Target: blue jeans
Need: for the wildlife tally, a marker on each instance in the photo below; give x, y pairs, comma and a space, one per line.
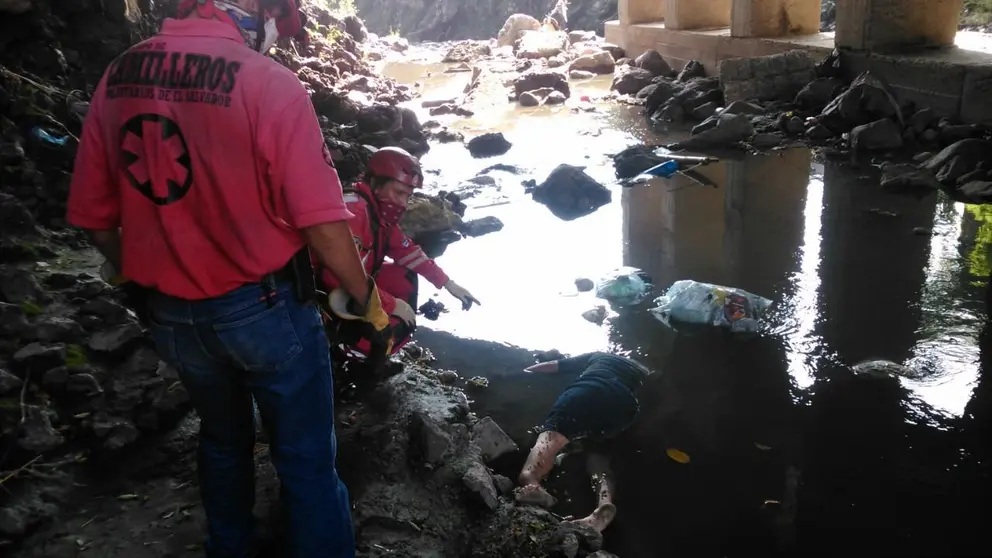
227, 350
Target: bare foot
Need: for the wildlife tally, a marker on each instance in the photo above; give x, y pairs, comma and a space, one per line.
600, 518
534, 494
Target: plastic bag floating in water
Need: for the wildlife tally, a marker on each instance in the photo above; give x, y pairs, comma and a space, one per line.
626, 285
693, 302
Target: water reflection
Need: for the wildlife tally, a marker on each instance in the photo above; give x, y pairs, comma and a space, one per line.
853, 277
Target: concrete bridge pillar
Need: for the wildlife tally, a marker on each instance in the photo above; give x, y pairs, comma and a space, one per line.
641, 11
697, 14
887, 25
774, 18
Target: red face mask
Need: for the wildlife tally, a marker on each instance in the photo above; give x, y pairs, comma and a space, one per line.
390, 213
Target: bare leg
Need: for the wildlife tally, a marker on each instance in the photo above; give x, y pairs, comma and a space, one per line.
539, 463
598, 467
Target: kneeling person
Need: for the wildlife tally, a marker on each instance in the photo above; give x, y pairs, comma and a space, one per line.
378, 203
599, 405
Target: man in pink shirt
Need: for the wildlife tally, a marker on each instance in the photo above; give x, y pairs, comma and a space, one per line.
203, 176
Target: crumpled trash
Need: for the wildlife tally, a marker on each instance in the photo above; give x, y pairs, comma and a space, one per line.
623, 286
692, 302
432, 309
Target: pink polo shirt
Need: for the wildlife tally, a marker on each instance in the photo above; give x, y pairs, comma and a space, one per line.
209, 158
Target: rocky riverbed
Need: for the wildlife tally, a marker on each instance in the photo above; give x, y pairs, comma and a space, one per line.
97, 439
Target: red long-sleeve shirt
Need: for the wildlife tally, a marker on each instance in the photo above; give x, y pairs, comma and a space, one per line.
392, 243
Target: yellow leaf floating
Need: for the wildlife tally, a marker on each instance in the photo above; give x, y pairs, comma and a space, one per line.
678, 456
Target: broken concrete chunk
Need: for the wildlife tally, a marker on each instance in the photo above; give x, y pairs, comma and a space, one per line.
480, 482
503, 484
431, 437
491, 439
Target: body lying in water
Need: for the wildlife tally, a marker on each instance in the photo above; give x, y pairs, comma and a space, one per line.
598, 405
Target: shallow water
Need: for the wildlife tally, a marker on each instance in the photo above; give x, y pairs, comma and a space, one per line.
852, 278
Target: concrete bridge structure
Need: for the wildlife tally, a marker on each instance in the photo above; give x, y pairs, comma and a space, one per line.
914, 44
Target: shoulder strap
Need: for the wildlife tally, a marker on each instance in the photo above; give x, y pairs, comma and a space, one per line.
378, 251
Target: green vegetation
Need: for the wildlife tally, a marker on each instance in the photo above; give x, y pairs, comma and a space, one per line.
339, 7
977, 12
31, 309
394, 31
75, 355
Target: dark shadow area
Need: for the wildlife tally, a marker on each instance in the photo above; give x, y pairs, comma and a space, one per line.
792, 454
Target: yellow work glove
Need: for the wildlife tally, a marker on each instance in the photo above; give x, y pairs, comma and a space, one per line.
344, 307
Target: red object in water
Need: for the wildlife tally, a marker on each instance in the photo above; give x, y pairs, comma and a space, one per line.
585, 99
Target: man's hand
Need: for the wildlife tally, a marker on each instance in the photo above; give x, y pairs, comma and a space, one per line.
335, 249
371, 312
405, 312
462, 294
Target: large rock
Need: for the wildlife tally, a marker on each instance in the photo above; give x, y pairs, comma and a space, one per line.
15, 218
653, 62
116, 340
18, 286
12, 320
429, 215
880, 135
514, 27
631, 80
725, 131
818, 93
867, 100
598, 63
571, 193
36, 432
970, 151
488, 145
976, 191
355, 27
540, 79
542, 44
907, 178
468, 51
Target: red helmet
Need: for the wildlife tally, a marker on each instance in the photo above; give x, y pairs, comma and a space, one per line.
395, 164
263, 21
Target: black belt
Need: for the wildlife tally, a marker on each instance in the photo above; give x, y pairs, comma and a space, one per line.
298, 272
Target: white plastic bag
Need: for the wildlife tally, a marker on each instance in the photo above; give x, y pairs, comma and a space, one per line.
693, 302
623, 286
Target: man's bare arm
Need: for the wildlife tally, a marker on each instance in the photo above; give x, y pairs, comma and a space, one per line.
543, 367
108, 242
335, 248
